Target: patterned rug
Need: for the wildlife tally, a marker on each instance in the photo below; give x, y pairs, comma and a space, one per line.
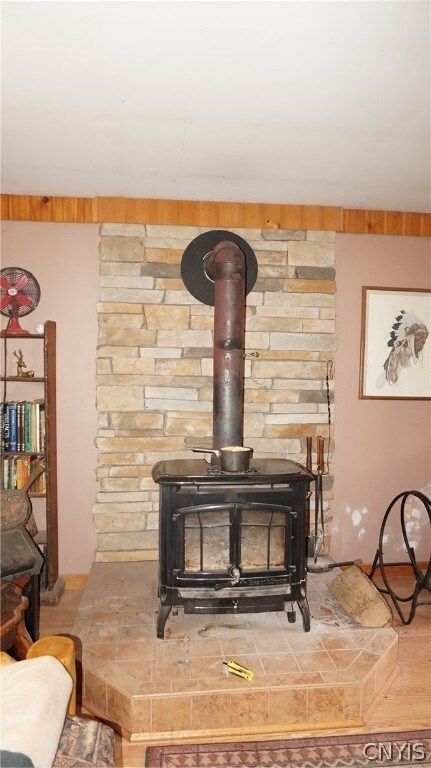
408, 748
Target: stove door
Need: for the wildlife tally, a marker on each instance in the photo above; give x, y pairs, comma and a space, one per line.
233, 544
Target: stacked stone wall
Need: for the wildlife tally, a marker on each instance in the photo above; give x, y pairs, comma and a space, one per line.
154, 366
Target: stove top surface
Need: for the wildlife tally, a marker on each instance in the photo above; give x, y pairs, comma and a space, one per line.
200, 471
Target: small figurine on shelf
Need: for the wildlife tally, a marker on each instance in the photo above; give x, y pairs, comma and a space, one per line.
21, 365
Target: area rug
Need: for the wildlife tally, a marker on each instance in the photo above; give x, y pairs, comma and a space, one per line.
407, 748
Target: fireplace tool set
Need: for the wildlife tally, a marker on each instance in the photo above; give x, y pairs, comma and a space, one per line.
316, 540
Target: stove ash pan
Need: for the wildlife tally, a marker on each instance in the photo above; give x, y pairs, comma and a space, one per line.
232, 543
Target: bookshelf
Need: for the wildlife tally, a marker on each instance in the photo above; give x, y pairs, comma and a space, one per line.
45, 450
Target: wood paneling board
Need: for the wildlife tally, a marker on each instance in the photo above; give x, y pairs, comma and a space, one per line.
213, 214
386, 223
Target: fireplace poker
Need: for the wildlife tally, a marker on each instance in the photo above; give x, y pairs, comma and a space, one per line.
319, 495
309, 465
328, 566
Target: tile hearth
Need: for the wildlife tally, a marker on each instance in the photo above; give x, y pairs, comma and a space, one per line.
178, 688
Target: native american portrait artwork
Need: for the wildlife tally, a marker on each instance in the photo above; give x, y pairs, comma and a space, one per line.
395, 343
406, 342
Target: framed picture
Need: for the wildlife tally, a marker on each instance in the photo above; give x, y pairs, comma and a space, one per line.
395, 344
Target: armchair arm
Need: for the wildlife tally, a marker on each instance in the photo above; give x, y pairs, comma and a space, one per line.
33, 700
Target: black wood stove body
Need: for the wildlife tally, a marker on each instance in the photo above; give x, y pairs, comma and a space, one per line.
232, 543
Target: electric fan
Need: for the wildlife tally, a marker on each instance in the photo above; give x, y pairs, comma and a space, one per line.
20, 294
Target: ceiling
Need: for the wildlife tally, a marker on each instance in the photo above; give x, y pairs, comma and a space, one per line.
296, 101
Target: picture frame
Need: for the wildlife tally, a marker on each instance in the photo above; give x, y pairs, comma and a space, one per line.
395, 357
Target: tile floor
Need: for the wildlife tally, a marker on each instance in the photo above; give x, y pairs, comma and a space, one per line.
179, 687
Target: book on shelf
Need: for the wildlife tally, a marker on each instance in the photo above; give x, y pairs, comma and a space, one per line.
41, 421
18, 426
20, 421
38, 417
11, 417
27, 426
4, 428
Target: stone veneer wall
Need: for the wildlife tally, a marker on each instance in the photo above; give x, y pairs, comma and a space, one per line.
154, 365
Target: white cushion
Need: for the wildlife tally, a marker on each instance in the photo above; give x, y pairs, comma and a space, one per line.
34, 695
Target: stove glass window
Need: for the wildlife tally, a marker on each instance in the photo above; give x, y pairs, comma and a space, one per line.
262, 540
206, 541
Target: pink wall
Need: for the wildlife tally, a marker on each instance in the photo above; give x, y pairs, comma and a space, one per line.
383, 447
64, 258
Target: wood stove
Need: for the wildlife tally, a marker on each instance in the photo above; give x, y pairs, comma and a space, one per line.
232, 543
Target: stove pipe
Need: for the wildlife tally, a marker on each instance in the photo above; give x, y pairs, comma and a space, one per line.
226, 267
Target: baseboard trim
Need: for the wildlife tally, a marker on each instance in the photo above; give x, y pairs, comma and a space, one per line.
396, 570
126, 556
75, 580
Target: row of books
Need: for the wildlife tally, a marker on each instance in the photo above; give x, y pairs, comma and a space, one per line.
23, 426
16, 470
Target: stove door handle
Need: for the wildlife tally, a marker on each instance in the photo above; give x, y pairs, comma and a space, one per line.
235, 574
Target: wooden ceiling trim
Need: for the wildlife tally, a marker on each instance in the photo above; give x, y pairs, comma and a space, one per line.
386, 223
213, 214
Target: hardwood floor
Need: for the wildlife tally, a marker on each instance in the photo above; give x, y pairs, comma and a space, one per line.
406, 706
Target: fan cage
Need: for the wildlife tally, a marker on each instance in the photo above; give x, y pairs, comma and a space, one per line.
31, 290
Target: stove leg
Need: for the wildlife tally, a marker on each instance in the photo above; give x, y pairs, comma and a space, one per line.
163, 614
305, 612
291, 614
